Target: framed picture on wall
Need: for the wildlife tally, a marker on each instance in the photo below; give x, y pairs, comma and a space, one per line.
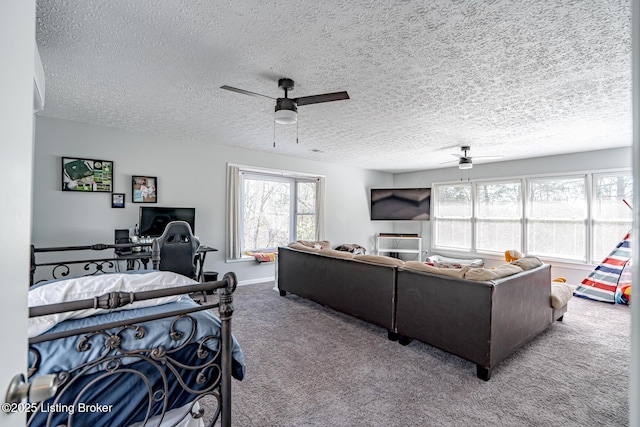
87, 175
117, 200
144, 189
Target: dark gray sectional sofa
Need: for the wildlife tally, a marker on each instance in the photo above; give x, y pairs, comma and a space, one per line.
481, 321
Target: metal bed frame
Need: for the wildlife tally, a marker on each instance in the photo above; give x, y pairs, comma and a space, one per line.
213, 368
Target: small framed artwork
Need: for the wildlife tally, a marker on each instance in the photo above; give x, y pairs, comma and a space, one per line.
144, 189
117, 200
87, 175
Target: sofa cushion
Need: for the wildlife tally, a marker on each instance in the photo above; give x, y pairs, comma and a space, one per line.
299, 246
561, 293
419, 266
483, 274
318, 244
527, 262
335, 253
379, 259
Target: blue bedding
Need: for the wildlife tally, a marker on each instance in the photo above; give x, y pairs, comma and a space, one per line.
61, 354
123, 398
126, 391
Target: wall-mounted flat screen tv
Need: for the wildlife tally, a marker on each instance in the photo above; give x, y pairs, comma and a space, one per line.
154, 219
400, 204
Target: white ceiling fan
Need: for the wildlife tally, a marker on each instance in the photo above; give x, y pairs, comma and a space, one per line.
465, 161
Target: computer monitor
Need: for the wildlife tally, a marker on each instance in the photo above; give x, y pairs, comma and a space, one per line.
153, 219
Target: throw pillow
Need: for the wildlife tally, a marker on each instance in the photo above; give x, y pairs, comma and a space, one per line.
353, 248
527, 263
561, 293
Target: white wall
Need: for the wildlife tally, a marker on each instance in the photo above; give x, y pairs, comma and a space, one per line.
581, 162
189, 175
17, 41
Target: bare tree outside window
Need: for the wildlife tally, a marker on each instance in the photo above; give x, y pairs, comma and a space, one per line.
277, 210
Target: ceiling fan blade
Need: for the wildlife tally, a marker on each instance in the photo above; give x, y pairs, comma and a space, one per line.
460, 156
451, 161
487, 157
325, 97
244, 92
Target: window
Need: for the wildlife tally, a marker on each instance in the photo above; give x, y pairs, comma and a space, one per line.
499, 216
611, 217
453, 219
557, 217
268, 209
574, 218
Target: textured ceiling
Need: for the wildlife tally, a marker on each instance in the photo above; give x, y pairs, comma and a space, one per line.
512, 78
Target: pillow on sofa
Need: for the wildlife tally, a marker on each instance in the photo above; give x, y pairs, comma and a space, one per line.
527, 262
353, 248
419, 266
379, 259
483, 274
301, 247
335, 253
561, 293
444, 262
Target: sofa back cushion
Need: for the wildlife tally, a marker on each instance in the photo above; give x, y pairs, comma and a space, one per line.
335, 253
419, 266
318, 244
299, 246
380, 259
483, 274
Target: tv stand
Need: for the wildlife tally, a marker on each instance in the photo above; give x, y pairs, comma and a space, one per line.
394, 244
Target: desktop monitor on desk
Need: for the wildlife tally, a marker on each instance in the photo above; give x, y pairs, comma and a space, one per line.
153, 219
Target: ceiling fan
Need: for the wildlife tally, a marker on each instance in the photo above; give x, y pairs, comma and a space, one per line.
465, 161
286, 111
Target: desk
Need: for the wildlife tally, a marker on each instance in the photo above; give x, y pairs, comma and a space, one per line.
134, 259
203, 250
145, 256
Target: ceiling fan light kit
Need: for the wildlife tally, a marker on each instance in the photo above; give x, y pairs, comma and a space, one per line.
465, 163
286, 112
285, 117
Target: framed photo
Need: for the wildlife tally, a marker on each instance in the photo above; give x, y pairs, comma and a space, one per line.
117, 200
87, 175
144, 189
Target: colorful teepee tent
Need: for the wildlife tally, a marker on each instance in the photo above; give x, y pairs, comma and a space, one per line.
603, 282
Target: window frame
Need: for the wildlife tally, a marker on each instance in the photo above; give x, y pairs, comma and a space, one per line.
589, 221
235, 217
477, 219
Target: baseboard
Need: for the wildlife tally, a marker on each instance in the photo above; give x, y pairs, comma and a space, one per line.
255, 281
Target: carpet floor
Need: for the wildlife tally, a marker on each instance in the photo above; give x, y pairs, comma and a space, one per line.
308, 365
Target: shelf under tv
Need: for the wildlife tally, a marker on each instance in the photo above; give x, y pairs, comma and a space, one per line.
399, 243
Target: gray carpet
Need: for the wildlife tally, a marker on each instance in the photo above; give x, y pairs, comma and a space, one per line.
311, 366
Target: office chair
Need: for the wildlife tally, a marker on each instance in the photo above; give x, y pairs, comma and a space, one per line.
176, 249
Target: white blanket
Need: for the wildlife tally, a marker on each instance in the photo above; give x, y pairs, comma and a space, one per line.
91, 286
